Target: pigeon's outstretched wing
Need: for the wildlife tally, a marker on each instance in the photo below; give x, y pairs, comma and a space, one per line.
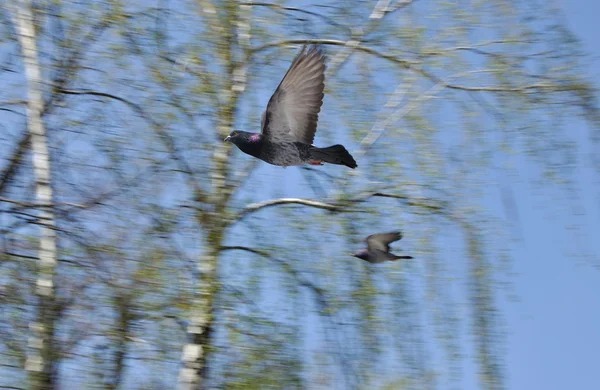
381, 241
293, 111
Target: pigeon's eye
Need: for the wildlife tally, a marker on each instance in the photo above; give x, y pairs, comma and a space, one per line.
234, 133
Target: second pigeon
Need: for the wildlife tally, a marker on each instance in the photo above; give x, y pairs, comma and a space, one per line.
378, 248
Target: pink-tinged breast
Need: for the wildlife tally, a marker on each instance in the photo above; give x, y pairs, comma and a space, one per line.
255, 138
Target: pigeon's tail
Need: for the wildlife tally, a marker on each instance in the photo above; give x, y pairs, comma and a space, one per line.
401, 257
336, 154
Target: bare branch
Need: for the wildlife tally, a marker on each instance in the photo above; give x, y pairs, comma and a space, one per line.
425, 203
379, 127
14, 162
295, 9
169, 141
35, 205
319, 292
251, 208
71, 64
415, 66
335, 42
14, 103
244, 248
380, 10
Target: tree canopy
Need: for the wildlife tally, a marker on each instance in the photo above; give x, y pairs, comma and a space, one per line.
174, 260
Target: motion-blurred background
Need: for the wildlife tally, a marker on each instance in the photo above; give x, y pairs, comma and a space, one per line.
163, 258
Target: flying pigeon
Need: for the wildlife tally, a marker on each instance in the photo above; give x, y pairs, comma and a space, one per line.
378, 248
290, 121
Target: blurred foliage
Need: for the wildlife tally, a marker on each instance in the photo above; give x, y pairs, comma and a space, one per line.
160, 224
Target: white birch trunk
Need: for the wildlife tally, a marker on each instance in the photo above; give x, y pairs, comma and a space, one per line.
40, 359
194, 357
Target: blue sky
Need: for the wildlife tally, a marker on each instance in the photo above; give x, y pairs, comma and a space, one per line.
554, 325
551, 309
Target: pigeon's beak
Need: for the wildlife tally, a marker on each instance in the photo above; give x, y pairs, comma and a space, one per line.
227, 138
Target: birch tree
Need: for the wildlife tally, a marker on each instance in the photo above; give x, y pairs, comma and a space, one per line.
40, 362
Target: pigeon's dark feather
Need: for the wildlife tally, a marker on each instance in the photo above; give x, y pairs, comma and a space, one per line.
336, 154
249, 143
293, 110
381, 241
378, 248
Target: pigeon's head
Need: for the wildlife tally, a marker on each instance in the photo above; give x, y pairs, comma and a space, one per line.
242, 137
361, 254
